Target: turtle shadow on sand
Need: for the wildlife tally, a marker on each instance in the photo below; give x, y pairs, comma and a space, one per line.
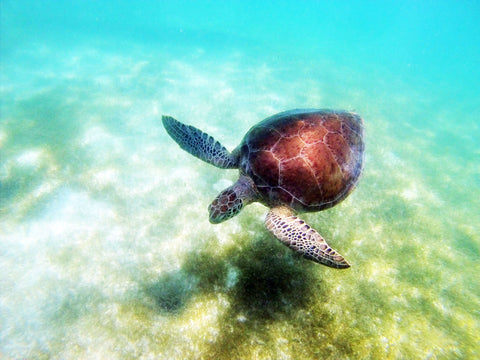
261, 283
171, 292
261, 280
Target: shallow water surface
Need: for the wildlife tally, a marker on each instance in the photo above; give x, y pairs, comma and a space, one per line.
106, 251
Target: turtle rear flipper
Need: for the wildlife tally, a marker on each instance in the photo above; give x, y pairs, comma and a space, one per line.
199, 144
300, 237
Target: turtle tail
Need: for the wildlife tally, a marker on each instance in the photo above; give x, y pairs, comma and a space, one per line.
199, 144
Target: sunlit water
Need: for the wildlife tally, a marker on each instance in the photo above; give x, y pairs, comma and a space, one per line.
105, 246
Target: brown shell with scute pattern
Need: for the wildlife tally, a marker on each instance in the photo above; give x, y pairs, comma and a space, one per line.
309, 160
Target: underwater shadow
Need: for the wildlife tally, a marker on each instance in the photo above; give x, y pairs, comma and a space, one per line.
262, 279
171, 292
264, 282
271, 281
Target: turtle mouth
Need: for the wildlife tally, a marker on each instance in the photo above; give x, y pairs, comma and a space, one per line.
214, 215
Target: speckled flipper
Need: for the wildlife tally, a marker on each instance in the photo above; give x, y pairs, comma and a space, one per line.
199, 144
232, 200
298, 236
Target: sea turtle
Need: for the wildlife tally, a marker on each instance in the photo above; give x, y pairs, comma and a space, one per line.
295, 161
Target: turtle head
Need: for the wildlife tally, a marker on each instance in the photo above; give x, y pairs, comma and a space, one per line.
232, 200
225, 206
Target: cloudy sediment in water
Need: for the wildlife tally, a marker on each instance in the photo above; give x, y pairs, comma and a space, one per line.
105, 246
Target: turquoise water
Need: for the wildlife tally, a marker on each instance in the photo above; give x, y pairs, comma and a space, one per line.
106, 251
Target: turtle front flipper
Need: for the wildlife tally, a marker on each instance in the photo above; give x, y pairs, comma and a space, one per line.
300, 237
232, 200
199, 144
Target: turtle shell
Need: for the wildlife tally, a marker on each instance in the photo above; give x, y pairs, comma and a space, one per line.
309, 160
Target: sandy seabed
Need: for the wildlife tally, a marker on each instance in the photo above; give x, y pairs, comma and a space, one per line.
106, 250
